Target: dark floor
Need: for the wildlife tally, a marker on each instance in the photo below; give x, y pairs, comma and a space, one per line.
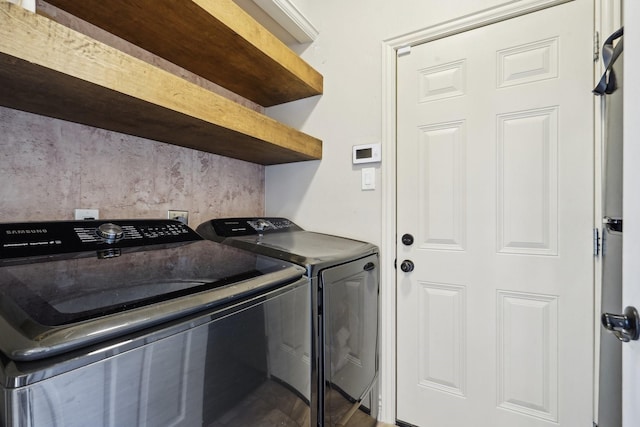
271, 405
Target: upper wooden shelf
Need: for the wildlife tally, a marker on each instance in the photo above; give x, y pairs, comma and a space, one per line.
215, 39
49, 69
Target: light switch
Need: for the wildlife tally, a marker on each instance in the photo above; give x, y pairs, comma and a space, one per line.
368, 178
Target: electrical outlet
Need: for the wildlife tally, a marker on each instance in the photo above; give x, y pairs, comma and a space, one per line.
182, 216
82, 214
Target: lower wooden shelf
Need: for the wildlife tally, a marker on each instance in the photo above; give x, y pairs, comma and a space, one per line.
49, 69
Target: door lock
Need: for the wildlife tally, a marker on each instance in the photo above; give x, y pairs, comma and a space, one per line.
626, 327
407, 239
407, 266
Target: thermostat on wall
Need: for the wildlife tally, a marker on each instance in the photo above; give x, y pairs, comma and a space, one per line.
367, 153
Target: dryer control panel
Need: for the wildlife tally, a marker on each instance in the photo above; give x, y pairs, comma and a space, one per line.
233, 227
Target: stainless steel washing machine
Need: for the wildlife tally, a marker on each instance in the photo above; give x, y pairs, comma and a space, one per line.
144, 323
344, 304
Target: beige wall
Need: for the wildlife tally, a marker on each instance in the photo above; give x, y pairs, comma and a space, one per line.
50, 167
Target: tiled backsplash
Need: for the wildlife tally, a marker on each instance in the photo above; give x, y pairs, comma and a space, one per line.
50, 167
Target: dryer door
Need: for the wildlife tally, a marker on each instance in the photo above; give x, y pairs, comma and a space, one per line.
350, 330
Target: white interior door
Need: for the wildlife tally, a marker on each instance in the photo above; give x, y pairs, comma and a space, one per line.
495, 184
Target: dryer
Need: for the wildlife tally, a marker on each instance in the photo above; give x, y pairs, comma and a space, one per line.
344, 308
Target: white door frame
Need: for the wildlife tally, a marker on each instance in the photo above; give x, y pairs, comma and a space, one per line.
388, 186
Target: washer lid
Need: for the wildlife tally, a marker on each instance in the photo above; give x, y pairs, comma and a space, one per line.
284, 240
51, 301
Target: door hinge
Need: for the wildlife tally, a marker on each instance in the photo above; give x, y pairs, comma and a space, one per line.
596, 46
596, 241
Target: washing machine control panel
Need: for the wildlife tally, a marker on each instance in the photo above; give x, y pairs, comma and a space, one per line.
57, 237
233, 227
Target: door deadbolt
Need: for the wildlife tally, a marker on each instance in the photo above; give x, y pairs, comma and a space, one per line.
626, 327
407, 239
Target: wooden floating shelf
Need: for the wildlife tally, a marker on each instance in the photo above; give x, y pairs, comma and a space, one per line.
214, 39
49, 69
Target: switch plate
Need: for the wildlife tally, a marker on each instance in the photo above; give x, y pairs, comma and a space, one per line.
182, 216
368, 178
82, 214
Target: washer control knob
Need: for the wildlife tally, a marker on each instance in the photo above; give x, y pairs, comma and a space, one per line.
261, 225
110, 232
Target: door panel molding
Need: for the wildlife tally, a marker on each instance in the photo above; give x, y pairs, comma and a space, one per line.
523, 319
442, 183
528, 164
443, 349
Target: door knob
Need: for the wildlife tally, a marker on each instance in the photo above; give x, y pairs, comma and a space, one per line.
407, 239
626, 327
407, 265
